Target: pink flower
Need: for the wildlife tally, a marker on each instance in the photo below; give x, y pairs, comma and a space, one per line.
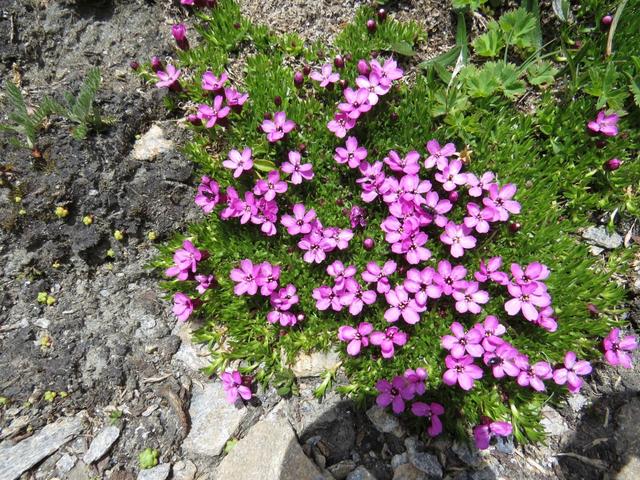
185, 261
478, 218
326, 297
501, 358
461, 342
271, 186
571, 372
394, 394
239, 162
461, 371
449, 278
357, 217
168, 78
353, 155
490, 329
284, 298
388, 72
545, 320
416, 380
338, 237
297, 170
301, 220
432, 412
470, 299
483, 433
231, 210
277, 128
266, 215
234, 98
450, 177
204, 283
617, 351
526, 298
268, 278
212, 83
356, 298
408, 164
341, 124
478, 185
402, 306
532, 375
357, 102
377, 275
179, 33
183, 306
413, 248
397, 231
357, 338
421, 284
247, 208
500, 200
459, 238
373, 85
236, 386
604, 124
387, 339
340, 273
439, 155
210, 116
208, 194
285, 319
326, 76
534, 272
246, 278
489, 271
315, 245
436, 208
371, 181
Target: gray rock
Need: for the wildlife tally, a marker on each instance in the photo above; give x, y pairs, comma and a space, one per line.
159, 472
65, 463
505, 445
384, 421
80, 471
213, 420
577, 402
627, 432
427, 463
601, 237
193, 356
466, 453
151, 144
361, 473
269, 451
630, 470
101, 444
413, 445
314, 364
484, 474
407, 471
553, 423
184, 470
399, 459
24, 455
341, 469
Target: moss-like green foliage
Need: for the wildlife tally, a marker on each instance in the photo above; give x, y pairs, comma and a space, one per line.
545, 152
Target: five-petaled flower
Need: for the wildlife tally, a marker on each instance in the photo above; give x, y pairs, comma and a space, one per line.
571, 372
484, 432
298, 171
239, 162
604, 124
212, 115
168, 78
352, 155
246, 277
461, 371
236, 386
388, 339
326, 76
432, 412
617, 351
357, 337
183, 306
394, 393
277, 128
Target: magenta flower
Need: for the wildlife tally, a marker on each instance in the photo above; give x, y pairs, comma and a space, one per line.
459, 238
532, 375
239, 162
546, 321
236, 386
341, 124
357, 102
337, 237
402, 306
268, 278
387, 340
183, 306
373, 85
416, 380
266, 215
285, 319
353, 155
271, 186
421, 284
326, 297
185, 261
534, 272
301, 221
478, 218
436, 208
450, 177
500, 200
477, 186
449, 278
571, 372
526, 298
235, 99
340, 273
246, 278
356, 298
210, 116
617, 351
604, 124
277, 128
168, 78
246, 208
326, 76
501, 358
413, 248
490, 329
394, 394
371, 181
483, 433
298, 171
461, 371
439, 155
432, 412
315, 245
388, 72
208, 194
470, 299
204, 283
407, 164
461, 342
179, 33
398, 231
357, 217
357, 338
284, 298
375, 274
212, 83
489, 271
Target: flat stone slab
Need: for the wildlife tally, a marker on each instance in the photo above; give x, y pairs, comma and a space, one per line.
269, 451
213, 420
101, 444
601, 237
160, 472
151, 144
315, 364
19, 458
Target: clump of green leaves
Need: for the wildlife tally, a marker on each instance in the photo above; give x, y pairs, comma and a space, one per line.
148, 458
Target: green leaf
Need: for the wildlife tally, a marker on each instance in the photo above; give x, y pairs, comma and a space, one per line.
519, 28
264, 165
490, 43
444, 59
472, 5
541, 73
461, 37
507, 75
634, 87
604, 85
481, 83
562, 9
403, 48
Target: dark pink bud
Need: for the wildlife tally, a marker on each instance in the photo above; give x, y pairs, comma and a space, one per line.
363, 67
612, 164
302, 147
593, 310
156, 64
338, 61
193, 119
600, 143
514, 227
277, 100
298, 79
348, 57
371, 25
368, 243
134, 65
237, 25
382, 14
606, 20
267, 116
306, 69
179, 32
301, 317
394, 117
453, 196
343, 84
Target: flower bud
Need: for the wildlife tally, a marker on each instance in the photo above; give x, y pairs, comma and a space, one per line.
453, 196
156, 64
606, 20
237, 25
306, 70
277, 100
338, 61
600, 143
179, 33
298, 79
134, 65
394, 117
193, 119
371, 25
301, 317
612, 164
593, 310
514, 227
343, 84
363, 67
382, 14
368, 243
